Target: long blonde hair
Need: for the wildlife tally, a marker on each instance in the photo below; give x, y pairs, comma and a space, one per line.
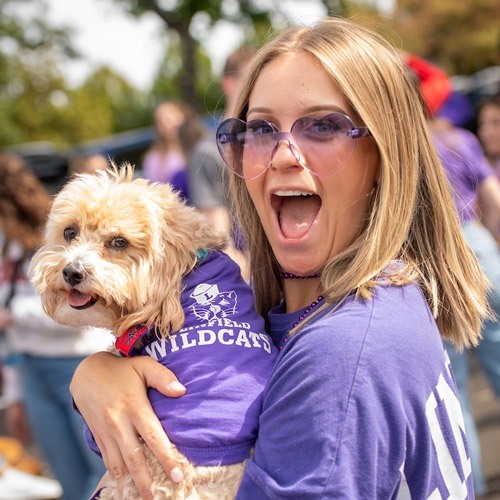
412, 218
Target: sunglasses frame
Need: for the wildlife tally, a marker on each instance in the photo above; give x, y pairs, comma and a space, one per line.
223, 138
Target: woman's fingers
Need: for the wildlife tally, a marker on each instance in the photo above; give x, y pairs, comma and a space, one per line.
125, 461
136, 466
148, 426
157, 441
157, 376
111, 394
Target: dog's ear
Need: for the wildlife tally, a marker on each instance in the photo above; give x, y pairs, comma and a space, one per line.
186, 227
184, 232
204, 235
177, 233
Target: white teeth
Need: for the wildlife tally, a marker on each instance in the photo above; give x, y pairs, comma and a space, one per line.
292, 193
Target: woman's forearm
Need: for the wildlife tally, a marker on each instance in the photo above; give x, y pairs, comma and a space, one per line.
111, 394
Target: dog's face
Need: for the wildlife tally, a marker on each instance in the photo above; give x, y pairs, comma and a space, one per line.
115, 252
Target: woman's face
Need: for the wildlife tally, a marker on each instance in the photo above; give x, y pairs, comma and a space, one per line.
307, 219
489, 129
168, 118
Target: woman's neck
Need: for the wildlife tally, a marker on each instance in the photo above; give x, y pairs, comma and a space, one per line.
300, 293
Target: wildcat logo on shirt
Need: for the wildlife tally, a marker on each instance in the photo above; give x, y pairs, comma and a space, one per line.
211, 304
214, 321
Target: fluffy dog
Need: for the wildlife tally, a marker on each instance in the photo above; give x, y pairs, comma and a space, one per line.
130, 256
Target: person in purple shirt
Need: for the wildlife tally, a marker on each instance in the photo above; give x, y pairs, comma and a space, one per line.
359, 264
178, 127
474, 185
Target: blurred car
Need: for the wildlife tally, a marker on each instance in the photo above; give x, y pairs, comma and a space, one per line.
126, 146
50, 163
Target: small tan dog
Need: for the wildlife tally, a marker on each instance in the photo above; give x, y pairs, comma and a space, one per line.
125, 255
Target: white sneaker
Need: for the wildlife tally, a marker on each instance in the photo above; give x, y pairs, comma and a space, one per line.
18, 485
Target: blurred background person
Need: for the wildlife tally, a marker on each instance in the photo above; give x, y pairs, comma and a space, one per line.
87, 163
41, 355
488, 130
165, 161
476, 192
207, 175
191, 132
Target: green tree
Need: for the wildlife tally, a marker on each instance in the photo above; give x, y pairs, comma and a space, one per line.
127, 106
29, 77
183, 16
463, 37
36, 103
166, 82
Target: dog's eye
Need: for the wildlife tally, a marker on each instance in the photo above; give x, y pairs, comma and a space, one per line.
69, 234
119, 243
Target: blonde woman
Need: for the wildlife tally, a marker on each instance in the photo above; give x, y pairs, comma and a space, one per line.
359, 265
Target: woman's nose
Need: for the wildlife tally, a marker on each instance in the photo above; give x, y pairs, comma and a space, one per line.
285, 154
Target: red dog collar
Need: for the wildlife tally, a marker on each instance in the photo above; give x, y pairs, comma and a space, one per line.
126, 342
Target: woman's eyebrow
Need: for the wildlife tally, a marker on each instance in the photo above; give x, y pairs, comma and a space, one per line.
326, 107
306, 111
259, 110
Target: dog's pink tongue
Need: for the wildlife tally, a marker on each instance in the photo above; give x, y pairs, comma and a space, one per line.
77, 299
297, 213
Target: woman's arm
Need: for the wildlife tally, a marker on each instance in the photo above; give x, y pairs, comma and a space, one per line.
111, 394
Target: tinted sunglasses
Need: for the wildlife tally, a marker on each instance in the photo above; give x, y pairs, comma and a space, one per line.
248, 148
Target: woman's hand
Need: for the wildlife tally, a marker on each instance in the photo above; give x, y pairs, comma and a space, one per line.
110, 392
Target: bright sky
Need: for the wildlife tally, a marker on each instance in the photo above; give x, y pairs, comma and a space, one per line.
104, 34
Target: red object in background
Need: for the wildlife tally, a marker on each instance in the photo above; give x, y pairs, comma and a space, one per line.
434, 82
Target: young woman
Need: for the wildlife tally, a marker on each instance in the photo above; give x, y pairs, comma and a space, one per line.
359, 265
178, 128
488, 130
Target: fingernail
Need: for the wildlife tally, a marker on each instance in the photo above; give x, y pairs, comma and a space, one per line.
176, 386
176, 475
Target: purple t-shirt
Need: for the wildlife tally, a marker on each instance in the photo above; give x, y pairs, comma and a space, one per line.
223, 357
361, 404
465, 165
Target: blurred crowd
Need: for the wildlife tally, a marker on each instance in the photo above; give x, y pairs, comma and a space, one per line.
39, 357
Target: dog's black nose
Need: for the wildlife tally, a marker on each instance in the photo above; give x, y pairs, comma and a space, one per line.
72, 276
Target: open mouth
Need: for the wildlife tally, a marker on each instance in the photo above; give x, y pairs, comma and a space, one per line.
296, 212
79, 300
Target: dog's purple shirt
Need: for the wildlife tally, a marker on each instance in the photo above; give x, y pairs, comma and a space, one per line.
223, 357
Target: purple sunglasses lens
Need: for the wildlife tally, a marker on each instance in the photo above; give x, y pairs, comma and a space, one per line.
321, 145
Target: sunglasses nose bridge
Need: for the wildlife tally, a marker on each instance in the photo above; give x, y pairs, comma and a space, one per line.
286, 138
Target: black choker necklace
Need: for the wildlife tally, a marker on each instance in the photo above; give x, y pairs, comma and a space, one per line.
288, 276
